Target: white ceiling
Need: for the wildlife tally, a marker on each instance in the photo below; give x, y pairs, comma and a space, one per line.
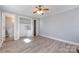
27, 9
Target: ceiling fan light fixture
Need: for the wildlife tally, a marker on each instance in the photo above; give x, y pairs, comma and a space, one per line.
40, 10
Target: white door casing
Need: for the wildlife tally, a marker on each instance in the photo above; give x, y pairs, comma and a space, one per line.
1, 41
3, 26
16, 28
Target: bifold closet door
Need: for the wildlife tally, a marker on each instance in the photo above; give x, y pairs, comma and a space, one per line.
25, 27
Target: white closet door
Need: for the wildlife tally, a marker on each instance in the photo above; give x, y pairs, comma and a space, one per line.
25, 26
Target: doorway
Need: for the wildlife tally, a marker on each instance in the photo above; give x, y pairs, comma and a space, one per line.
34, 27
8, 26
25, 27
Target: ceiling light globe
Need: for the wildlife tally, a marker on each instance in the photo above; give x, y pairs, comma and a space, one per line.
39, 12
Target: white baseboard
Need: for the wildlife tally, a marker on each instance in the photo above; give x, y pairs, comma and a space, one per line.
69, 42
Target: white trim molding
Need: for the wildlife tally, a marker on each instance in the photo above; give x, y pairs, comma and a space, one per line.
69, 42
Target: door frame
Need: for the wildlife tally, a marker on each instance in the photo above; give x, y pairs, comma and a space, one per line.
3, 23
35, 28
32, 25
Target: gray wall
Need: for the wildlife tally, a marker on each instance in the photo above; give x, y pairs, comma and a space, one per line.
64, 26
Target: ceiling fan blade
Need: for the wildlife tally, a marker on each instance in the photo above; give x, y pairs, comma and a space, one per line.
40, 8
34, 11
45, 9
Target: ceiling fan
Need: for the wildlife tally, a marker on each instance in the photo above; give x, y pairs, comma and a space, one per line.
40, 9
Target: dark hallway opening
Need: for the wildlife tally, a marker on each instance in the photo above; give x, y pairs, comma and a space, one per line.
34, 27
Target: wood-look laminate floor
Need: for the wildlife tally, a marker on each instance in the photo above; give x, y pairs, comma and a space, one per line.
37, 45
